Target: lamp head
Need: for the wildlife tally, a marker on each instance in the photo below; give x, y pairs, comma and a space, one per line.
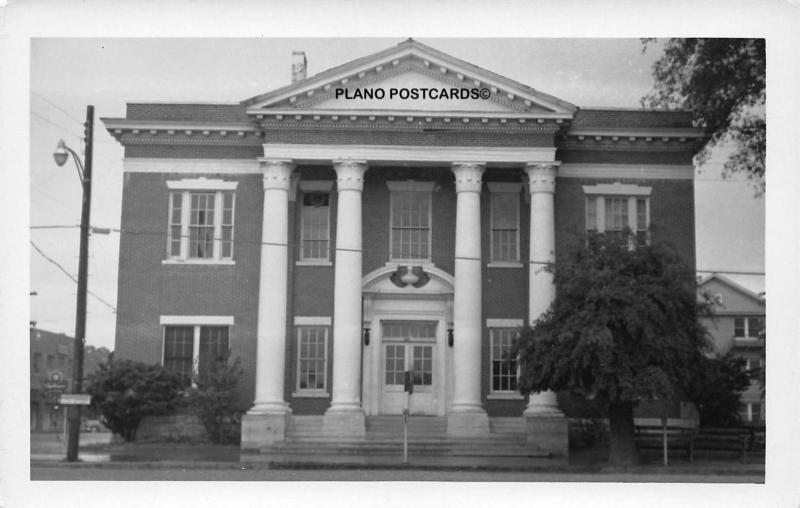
61, 154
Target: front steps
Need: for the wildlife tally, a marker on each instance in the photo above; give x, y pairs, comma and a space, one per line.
427, 437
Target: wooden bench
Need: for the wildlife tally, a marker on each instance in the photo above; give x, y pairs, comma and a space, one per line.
732, 439
653, 437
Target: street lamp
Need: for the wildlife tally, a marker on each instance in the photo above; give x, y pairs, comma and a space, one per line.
60, 156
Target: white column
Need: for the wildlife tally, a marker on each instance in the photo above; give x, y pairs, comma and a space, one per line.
271, 332
467, 297
542, 291
347, 288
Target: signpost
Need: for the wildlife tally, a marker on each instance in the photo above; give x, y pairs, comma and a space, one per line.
408, 387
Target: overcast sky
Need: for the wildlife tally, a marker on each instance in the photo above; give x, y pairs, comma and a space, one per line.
68, 74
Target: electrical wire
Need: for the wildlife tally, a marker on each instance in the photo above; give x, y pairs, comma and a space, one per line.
37, 94
74, 279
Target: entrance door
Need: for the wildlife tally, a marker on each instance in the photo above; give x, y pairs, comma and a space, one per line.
408, 346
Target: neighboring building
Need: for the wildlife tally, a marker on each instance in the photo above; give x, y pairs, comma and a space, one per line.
333, 242
738, 327
52, 359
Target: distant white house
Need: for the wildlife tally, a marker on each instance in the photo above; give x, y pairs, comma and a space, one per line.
737, 326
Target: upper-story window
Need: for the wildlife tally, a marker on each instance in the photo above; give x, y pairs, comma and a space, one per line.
613, 208
315, 221
410, 220
748, 327
201, 220
504, 220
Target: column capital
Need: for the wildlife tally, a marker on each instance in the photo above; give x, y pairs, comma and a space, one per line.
542, 176
277, 173
468, 176
349, 174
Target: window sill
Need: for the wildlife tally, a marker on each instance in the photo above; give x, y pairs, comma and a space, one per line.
225, 262
504, 264
310, 262
310, 394
505, 396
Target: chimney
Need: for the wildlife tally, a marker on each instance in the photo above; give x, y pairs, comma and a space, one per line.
298, 66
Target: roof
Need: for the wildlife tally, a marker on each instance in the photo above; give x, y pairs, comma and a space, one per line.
409, 46
733, 285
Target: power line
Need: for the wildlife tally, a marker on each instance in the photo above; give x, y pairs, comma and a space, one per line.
56, 227
54, 124
74, 279
57, 107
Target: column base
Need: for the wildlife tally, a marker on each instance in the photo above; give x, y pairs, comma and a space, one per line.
474, 423
344, 423
264, 429
548, 433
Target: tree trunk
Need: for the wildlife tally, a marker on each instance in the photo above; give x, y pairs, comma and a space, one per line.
622, 442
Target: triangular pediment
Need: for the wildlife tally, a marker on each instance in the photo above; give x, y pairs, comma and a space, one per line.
394, 80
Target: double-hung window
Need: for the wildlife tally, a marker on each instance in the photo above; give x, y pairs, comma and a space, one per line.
315, 221
613, 208
748, 327
504, 374
191, 344
410, 220
504, 219
201, 220
312, 355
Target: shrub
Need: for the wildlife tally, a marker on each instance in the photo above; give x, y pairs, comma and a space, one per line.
213, 400
125, 391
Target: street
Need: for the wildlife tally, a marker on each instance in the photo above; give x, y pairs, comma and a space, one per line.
58, 473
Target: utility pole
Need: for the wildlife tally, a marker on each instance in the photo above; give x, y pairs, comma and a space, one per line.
80, 311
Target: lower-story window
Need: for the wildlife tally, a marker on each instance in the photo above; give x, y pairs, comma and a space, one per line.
190, 349
504, 368
312, 358
753, 412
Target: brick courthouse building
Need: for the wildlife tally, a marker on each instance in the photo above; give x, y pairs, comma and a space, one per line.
333, 241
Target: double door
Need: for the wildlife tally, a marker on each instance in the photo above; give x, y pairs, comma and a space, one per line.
408, 347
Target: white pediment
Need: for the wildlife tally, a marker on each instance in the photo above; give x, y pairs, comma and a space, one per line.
409, 66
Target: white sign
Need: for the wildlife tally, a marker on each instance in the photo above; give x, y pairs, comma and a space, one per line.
76, 399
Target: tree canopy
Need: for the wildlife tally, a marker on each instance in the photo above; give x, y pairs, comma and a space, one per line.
623, 328
723, 83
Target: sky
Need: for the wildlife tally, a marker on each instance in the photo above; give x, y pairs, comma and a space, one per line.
68, 74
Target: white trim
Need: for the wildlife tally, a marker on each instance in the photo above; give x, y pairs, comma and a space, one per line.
303, 207
505, 396
196, 320
492, 228
657, 132
198, 261
203, 166
112, 124
504, 187
409, 186
503, 323
325, 153
504, 264
616, 189
315, 185
629, 171
202, 183
313, 262
311, 394
392, 194
312, 321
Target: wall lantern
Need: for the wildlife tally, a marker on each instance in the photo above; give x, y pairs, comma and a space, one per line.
366, 336
450, 337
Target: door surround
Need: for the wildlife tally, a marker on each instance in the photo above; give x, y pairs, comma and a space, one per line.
386, 300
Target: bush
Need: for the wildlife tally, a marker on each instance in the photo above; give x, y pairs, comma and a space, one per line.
716, 390
213, 400
125, 391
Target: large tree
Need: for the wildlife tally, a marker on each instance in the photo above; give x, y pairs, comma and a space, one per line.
723, 83
623, 328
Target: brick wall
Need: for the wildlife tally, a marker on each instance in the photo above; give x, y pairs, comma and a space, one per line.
149, 289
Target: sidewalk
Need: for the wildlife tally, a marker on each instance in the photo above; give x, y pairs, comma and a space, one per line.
167, 456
